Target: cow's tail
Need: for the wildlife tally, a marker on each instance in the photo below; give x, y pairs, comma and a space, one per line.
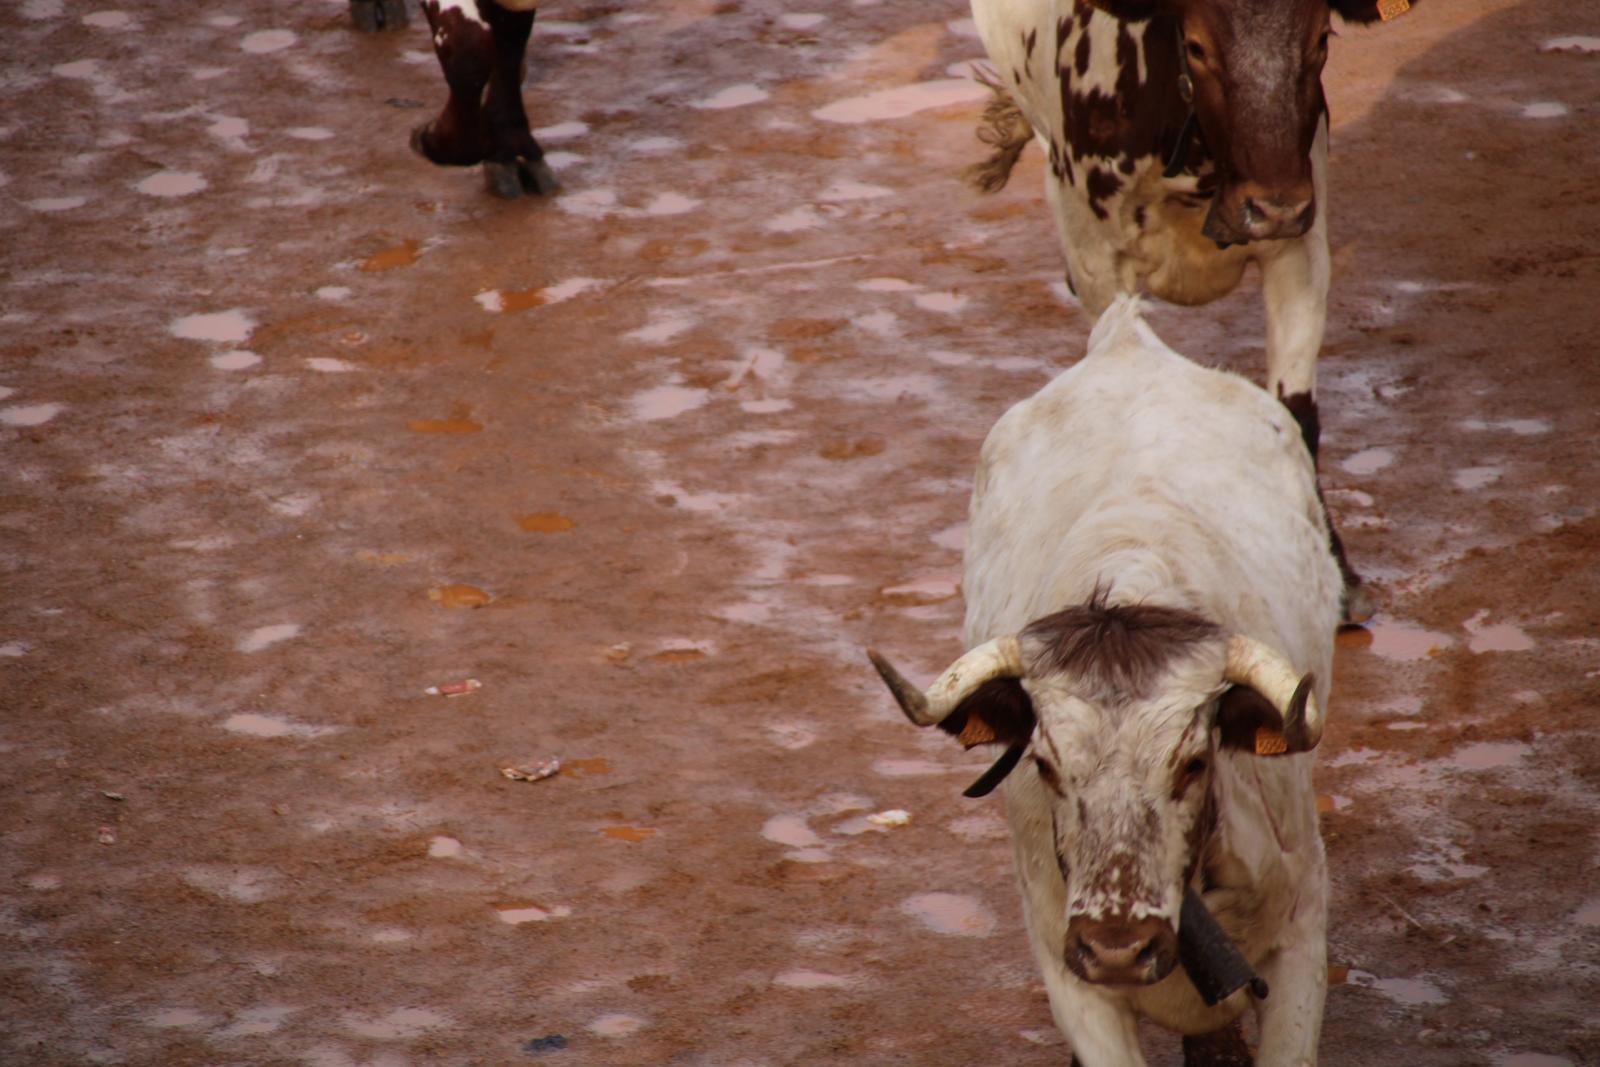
1004, 130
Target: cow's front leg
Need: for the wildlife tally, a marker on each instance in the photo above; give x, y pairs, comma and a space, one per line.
1297, 974
1294, 284
458, 137
514, 162
1101, 1029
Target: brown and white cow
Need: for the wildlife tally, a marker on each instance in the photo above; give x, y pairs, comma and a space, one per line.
481, 45
1186, 140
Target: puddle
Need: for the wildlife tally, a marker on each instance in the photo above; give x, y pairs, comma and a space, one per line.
253, 1022
1588, 915
1331, 804
795, 221
265, 636
652, 145
887, 285
951, 913
392, 935
1500, 637
790, 830
333, 293
1369, 461
813, 980
459, 596
945, 303
401, 255
174, 1018
49, 204
256, 725
1488, 755
309, 133
561, 131
263, 42
172, 183
1395, 640
616, 1024
1545, 109
733, 96
517, 914
660, 330
671, 204
791, 736
910, 768
844, 191
30, 414
14, 650
545, 522
801, 20
326, 365
246, 885
667, 401
1571, 44
632, 834
236, 360
1474, 478
766, 407
402, 1024
1410, 992
1520, 427
445, 848
584, 768
934, 589
902, 101
222, 326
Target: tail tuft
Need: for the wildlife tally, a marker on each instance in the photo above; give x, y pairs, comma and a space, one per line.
1004, 130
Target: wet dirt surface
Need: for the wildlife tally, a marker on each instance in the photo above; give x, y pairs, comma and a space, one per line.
296, 427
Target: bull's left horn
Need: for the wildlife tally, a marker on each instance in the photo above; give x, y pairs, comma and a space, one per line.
999, 658
1258, 666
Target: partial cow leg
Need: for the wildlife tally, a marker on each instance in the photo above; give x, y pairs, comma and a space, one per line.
1091, 266
1294, 282
1220, 1048
459, 136
515, 162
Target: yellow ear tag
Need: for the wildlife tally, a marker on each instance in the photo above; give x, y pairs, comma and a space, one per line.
1270, 742
1392, 9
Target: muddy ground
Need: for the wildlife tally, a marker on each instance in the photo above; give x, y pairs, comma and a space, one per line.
295, 426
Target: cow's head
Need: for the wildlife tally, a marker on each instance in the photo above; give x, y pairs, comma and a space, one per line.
1115, 714
1252, 72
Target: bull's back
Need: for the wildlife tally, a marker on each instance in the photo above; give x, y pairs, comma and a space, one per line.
1134, 447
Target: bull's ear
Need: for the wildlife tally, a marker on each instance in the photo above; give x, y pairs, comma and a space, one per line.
997, 712
1370, 10
1248, 722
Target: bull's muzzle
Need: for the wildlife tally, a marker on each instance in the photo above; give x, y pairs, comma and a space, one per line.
1121, 952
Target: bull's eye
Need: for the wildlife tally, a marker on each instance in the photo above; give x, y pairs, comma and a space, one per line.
1188, 776
1195, 767
1195, 49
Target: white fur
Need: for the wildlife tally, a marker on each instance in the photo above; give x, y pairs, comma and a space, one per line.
1186, 487
1168, 256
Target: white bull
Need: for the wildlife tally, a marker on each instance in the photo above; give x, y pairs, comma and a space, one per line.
1151, 607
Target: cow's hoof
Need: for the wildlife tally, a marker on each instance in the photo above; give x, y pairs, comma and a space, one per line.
537, 177
419, 141
1358, 603
501, 180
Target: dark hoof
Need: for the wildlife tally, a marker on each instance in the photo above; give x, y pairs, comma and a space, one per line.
1358, 603
419, 143
374, 16
537, 177
501, 180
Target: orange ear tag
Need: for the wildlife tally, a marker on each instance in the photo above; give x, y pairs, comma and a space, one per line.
1270, 742
976, 732
1392, 9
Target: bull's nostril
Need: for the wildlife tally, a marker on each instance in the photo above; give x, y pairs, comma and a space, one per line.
1146, 956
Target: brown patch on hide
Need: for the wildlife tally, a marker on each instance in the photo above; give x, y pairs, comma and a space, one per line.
1123, 648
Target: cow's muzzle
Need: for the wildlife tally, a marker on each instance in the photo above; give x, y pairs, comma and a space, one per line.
1239, 220
1121, 952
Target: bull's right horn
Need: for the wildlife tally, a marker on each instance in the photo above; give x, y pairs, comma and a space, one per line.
999, 658
1263, 669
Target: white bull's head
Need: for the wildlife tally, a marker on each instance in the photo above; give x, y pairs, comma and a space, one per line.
1119, 711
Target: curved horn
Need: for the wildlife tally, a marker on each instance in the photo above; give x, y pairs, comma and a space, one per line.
1263, 669
999, 658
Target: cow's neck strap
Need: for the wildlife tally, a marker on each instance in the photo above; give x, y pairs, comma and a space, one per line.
1186, 135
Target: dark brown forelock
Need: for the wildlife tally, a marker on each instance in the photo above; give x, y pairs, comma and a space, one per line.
1116, 648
